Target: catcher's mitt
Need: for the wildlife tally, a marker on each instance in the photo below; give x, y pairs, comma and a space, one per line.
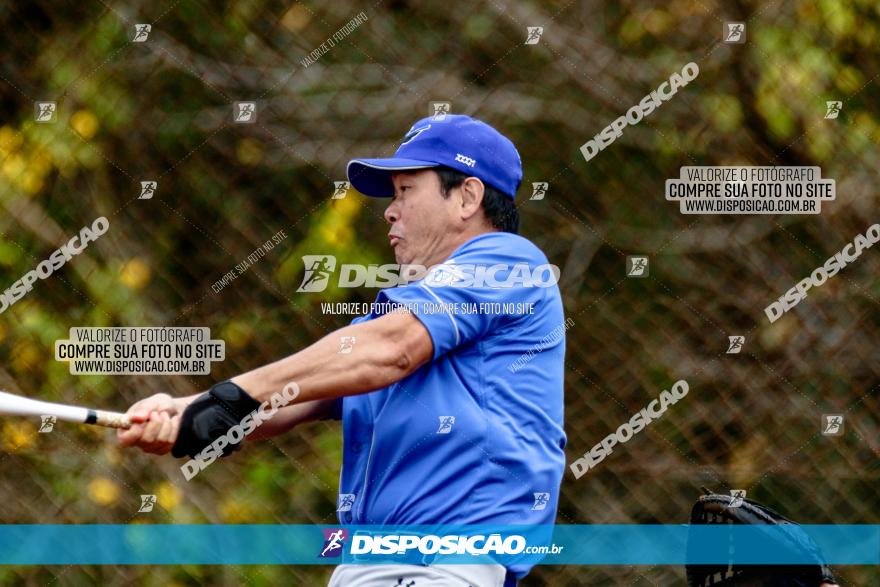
715, 509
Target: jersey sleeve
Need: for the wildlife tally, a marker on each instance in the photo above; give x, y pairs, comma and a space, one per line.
336, 413
465, 298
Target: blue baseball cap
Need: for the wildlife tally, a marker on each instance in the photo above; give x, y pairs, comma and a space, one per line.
456, 141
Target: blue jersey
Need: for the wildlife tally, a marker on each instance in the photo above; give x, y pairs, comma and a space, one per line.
475, 436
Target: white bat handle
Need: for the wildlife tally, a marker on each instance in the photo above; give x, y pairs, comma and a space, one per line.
108, 419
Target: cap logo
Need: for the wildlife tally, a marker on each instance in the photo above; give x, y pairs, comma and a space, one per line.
413, 133
466, 160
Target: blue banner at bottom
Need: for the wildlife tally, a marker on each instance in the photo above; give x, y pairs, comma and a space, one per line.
155, 544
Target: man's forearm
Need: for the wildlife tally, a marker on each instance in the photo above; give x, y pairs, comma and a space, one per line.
290, 416
385, 350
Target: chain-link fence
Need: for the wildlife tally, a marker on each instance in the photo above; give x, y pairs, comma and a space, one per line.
163, 108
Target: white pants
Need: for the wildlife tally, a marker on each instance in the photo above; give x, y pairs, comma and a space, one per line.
418, 576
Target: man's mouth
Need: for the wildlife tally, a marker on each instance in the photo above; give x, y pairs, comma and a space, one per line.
393, 240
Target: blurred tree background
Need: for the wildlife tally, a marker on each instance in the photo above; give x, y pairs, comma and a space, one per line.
162, 110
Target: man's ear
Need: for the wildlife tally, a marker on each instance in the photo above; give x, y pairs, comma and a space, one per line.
471, 190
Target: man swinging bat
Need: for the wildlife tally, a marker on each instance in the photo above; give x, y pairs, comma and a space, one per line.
438, 427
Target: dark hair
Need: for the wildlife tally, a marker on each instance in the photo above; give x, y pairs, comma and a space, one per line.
499, 208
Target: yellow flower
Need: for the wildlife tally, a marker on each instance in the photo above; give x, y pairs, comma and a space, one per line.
328, 234
348, 206
103, 491
657, 22
13, 166
41, 160
344, 236
249, 151
849, 80
31, 183
18, 435
237, 334
10, 141
84, 123
25, 356
236, 511
296, 18
168, 495
135, 274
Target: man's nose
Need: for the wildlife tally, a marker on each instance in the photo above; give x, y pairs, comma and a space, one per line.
391, 214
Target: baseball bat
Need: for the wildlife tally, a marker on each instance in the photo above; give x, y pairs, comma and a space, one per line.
16, 405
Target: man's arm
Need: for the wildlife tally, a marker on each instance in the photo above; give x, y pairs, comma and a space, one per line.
289, 417
386, 350
156, 421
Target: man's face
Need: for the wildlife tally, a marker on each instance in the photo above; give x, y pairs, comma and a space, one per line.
423, 222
